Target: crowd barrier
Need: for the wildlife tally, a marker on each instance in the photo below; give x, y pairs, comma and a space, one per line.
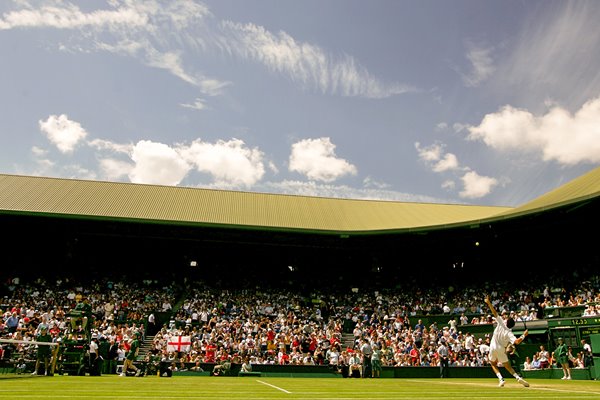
321, 371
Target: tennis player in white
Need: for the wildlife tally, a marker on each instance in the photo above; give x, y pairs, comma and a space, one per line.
502, 337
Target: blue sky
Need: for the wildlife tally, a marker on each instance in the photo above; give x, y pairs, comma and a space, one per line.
477, 102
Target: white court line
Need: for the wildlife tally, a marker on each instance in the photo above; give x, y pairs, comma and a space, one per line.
273, 386
532, 387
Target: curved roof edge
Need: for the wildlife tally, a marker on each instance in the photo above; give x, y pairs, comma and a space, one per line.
578, 190
208, 207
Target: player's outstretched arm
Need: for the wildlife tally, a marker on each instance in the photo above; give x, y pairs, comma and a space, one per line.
522, 337
491, 306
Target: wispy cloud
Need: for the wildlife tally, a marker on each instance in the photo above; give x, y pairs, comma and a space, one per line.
213, 87
320, 189
156, 33
369, 182
101, 144
164, 34
61, 15
481, 65
306, 63
555, 54
171, 61
316, 159
198, 104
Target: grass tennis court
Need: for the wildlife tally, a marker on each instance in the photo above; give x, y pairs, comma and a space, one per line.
115, 387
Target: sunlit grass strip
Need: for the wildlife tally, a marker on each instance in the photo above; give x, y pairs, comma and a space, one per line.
115, 387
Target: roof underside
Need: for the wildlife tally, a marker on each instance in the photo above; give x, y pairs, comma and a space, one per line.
204, 207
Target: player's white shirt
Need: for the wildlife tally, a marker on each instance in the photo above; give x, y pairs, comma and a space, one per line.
500, 339
502, 336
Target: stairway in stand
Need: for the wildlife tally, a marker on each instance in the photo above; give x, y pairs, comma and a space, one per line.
347, 341
145, 347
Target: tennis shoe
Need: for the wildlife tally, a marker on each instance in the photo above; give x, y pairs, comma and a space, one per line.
523, 382
501, 383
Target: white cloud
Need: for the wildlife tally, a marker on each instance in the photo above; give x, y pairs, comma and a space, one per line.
430, 153
476, 186
115, 169
316, 159
558, 135
62, 132
305, 63
482, 65
230, 163
157, 163
448, 162
436, 158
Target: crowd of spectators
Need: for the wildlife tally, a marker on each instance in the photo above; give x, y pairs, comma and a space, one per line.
283, 326
275, 327
117, 310
543, 359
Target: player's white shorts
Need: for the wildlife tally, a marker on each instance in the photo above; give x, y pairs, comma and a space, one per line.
498, 355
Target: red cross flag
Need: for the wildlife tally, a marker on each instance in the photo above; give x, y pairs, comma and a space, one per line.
179, 343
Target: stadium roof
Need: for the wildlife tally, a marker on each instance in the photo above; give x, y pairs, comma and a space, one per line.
69, 198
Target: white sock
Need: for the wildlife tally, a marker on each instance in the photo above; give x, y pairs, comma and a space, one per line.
499, 375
